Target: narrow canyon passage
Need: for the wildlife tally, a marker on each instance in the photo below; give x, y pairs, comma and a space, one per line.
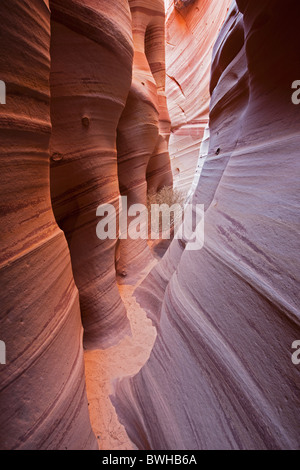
222, 373
113, 336
102, 367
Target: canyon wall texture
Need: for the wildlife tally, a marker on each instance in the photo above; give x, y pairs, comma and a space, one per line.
191, 30
144, 128
43, 402
220, 375
91, 72
69, 67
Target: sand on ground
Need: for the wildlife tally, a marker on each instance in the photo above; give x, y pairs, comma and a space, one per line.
103, 366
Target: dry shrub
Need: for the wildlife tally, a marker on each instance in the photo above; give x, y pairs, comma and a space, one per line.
167, 195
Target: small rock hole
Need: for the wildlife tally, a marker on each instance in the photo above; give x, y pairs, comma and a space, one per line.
85, 121
56, 157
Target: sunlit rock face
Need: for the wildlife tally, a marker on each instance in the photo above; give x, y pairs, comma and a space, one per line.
144, 128
91, 71
191, 30
220, 375
43, 402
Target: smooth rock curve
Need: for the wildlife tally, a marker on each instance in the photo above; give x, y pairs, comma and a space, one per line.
220, 375
43, 403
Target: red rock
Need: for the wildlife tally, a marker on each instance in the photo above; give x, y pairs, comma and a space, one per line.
43, 402
91, 70
220, 375
144, 128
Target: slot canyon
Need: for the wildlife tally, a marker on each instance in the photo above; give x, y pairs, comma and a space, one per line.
149, 342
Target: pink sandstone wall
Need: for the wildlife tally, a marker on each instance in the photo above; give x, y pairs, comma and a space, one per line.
190, 35
220, 375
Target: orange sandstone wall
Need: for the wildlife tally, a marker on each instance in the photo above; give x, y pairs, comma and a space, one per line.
144, 128
91, 71
43, 402
59, 163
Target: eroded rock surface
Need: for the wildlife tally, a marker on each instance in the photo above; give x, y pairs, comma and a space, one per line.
191, 30
220, 375
91, 70
43, 402
144, 128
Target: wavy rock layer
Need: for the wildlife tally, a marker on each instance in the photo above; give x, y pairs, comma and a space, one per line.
192, 28
144, 128
220, 375
91, 70
43, 401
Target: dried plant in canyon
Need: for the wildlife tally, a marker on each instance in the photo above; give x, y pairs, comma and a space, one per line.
168, 196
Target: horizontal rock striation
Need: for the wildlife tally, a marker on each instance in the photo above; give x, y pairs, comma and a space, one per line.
91, 71
220, 375
43, 402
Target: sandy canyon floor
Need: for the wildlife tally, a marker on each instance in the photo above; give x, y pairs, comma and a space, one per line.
102, 367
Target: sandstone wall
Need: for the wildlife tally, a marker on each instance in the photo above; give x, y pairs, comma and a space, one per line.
43, 402
91, 71
220, 375
83, 58
144, 128
191, 30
